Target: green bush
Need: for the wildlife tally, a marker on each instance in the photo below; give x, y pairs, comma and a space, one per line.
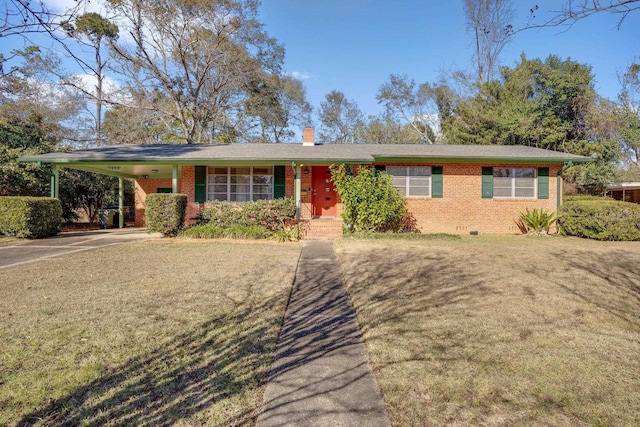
583, 198
266, 213
33, 217
370, 202
536, 221
213, 231
165, 213
601, 219
288, 233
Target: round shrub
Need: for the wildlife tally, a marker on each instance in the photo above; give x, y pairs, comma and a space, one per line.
600, 219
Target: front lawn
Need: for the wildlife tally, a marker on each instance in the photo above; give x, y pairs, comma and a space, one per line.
154, 333
500, 330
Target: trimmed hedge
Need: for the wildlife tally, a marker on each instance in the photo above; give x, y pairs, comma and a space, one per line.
270, 214
165, 213
33, 217
600, 219
213, 231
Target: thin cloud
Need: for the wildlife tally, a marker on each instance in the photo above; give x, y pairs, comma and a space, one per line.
300, 75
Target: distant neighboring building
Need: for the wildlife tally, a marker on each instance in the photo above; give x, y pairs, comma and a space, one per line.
625, 191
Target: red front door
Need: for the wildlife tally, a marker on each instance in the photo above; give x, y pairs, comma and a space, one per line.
324, 193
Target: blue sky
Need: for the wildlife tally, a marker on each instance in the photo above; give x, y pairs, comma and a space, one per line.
354, 45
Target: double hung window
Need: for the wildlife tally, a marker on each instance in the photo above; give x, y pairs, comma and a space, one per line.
239, 183
412, 181
514, 182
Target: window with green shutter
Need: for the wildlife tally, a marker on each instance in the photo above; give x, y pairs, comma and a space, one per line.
543, 183
515, 183
201, 184
487, 183
436, 182
412, 181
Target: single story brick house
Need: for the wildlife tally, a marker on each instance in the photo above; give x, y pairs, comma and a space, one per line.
450, 188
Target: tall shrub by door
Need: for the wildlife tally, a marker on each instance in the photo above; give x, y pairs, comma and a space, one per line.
370, 202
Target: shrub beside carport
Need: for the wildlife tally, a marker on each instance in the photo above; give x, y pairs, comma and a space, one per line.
600, 219
165, 213
33, 217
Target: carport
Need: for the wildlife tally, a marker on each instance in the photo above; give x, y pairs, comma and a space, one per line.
110, 161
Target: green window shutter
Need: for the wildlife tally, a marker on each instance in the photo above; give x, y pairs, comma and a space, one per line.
487, 183
279, 182
543, 183
201, 184
436, 182
164, 190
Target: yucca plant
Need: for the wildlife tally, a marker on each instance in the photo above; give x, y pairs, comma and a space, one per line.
536, 221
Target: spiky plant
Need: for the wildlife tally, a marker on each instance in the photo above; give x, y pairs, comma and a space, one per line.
536, 221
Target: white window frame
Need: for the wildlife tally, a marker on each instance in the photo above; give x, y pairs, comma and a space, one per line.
512, 178
406, 187
228, 182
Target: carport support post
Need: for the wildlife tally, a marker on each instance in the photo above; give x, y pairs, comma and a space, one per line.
174, 181
55, 188
558, 190
120, 202
297, 191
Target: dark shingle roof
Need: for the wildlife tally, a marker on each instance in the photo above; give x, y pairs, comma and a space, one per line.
348, 153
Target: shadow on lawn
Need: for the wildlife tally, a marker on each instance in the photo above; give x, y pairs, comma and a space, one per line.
435, 281
619, 269
178, 379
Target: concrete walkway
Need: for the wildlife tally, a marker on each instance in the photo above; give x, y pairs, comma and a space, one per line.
25, 251
321, 375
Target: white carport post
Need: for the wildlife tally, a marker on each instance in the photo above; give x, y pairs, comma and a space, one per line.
120, 202
174, 181
55, 187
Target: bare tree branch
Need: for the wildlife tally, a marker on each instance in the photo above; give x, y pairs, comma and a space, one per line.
25, 18
573, 11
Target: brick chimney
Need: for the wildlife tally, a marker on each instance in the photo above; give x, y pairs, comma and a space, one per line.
307, 137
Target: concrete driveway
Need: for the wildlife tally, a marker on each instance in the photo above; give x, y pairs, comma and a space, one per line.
28, 251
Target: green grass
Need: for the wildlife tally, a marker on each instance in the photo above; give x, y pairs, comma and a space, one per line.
155, 333
500, 330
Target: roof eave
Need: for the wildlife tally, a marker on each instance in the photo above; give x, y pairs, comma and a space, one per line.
479, 159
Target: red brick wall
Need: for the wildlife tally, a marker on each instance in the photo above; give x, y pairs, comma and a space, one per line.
305, 189
461, 210
142, 188
186, 185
